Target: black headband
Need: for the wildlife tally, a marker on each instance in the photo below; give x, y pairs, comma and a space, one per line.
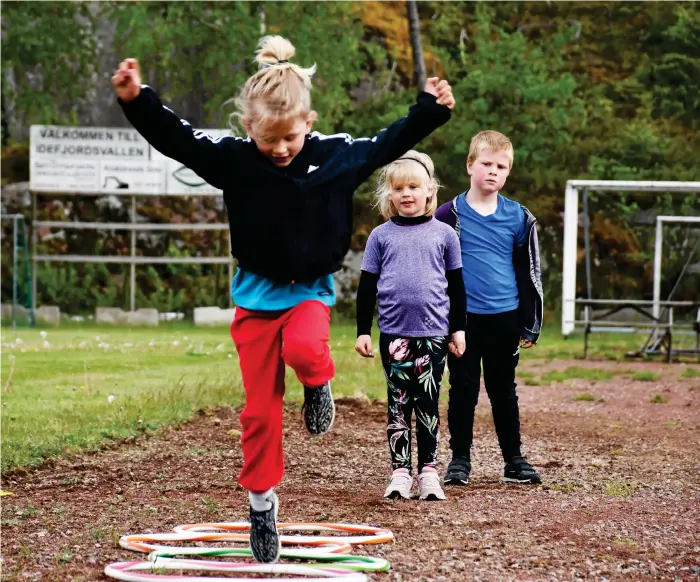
419, 162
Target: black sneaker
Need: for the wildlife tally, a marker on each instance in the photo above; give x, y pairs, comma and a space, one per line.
458, 471
264, 538
518, 470
318, 409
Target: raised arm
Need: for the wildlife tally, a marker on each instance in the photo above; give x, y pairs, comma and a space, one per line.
166, 132
431, 110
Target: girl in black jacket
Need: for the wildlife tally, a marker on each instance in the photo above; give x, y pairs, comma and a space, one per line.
288, 193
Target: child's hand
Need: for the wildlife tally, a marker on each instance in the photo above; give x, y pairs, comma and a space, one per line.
525, 343
127, 80
363, 346
458, 345
442, 90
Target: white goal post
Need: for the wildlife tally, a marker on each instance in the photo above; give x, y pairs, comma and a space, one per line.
574, 188
658, 246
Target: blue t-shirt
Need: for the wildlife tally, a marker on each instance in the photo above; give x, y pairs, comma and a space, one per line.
487, 254
251, 291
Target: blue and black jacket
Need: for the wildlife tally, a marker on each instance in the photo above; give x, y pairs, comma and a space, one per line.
293, 223
526, 263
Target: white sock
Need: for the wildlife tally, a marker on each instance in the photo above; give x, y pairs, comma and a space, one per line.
261, 501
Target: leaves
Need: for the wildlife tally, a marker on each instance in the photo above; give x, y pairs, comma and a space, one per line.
604, 90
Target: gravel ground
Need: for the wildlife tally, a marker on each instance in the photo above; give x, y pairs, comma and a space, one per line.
619, 501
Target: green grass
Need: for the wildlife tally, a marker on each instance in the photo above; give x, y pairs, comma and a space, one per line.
618, 489
691, 373
593, 375
93, 384
585, 397
658, 399
645, 376
575, 372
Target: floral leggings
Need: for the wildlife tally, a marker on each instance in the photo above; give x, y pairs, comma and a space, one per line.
413, 368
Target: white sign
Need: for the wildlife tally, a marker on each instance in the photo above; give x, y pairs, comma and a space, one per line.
182, 180
75, 175
107, 159
101, 143
67, 175
132, 177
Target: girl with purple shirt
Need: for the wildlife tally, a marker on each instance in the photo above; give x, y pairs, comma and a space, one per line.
413, 267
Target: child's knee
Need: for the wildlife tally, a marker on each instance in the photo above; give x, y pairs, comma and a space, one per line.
305, 354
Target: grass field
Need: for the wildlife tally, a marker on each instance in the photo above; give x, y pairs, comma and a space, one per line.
614, 441
80, 388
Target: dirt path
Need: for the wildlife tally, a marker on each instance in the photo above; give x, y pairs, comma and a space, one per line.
620, 499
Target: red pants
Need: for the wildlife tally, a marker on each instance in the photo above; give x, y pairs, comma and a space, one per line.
265, 343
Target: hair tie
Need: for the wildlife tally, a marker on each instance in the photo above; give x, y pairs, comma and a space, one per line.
418, 161
283, 62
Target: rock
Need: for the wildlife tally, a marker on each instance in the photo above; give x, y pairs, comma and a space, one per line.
21, 312
144, 316
213, 315
110, 315
50, 314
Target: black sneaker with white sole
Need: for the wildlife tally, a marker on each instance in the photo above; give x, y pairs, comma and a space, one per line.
518, 470
264, 537
458, 471
319, 409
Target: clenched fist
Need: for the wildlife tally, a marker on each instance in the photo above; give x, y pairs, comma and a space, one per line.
442, 91
127, 80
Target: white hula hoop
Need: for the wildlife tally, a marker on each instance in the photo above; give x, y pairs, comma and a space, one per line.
135, 571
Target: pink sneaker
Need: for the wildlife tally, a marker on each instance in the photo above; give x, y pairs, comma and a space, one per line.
400, 485
429, 485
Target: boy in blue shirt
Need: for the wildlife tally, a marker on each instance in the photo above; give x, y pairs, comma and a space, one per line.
501, 270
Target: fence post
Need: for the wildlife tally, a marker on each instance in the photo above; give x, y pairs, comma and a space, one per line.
14, 272
132, 290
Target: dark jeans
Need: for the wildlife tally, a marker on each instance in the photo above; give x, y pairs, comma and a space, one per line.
492, 339
413, 369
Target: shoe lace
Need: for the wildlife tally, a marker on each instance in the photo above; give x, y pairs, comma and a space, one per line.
400, 479
429, 479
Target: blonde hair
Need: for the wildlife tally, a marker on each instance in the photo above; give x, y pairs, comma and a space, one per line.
412, 166
490, 140
280, 90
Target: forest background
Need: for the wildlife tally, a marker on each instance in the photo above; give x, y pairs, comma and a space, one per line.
594, 90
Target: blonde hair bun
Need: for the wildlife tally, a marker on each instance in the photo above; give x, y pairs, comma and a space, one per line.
280, 90
273, 50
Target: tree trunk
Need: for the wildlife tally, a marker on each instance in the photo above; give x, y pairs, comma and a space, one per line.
419, 75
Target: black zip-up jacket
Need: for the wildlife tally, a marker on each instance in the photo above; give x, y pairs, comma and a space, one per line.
526, 262
287, 224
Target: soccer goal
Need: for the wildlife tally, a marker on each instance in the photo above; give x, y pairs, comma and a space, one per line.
658, 314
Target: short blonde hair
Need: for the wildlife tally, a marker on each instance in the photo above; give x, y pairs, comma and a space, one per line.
412, 166
490, 140
279, 91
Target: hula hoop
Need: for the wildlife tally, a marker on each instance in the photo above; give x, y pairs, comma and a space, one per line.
140, 542
343, 561
330, 552
373, 535
133, 571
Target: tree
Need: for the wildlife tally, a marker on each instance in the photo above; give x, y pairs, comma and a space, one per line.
419, 75
48, 62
